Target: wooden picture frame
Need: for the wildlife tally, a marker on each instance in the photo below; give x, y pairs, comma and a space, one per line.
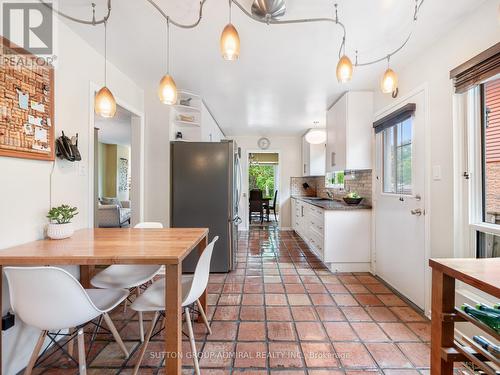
15, 139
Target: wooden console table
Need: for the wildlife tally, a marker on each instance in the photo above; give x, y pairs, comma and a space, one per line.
483, 274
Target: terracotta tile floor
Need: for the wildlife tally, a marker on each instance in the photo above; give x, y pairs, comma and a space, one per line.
282, 312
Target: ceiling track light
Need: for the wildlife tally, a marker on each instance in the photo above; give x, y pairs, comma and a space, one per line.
230, 40
104, 101
389, 81
167, 89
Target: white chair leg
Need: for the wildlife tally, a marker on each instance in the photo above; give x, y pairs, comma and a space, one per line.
36, 352
204, 317
116, 335
141, 321
145, 344
193, 344
82, 363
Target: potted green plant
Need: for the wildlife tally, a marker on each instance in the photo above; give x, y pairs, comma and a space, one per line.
60, 225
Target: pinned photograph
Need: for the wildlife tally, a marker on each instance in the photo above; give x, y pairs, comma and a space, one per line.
35, 120
37, 106
23, 99
29, 129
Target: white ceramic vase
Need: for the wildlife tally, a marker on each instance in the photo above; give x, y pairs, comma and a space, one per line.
59, 231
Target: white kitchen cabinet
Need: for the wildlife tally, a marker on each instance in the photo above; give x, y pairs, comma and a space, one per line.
339, 238
313, 158
349, 132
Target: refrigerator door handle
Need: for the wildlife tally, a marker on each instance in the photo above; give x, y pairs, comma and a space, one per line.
239, 189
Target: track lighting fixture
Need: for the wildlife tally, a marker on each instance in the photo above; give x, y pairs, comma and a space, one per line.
167, 90
389, 81
230, 40
104, 101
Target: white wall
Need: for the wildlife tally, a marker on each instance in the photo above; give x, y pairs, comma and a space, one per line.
471, 36
157, 159
290, 161
25, 188
210, 131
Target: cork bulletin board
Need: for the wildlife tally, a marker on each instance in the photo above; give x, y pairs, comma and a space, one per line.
26, 106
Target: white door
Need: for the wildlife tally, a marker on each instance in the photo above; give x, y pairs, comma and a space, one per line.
399, 204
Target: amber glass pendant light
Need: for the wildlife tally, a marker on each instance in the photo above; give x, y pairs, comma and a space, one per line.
230, 41
167, 90
104, 101
344, 69
389, 81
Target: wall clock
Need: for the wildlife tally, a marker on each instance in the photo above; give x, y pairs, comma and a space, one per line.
263, 143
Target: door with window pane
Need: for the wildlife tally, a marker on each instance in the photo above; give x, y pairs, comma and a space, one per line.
399, 204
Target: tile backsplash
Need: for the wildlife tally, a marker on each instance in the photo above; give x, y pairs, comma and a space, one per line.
359, 181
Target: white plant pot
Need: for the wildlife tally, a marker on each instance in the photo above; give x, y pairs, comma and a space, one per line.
60, 231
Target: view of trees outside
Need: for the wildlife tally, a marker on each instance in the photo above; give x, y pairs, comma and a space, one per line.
398, 158
262, 177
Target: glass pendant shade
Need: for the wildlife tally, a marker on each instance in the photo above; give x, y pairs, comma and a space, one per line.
344, 69
105, 103
167, 90
230, 43
316, 136
389, 81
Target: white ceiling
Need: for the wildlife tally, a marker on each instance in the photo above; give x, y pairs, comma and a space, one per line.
116, 130
285, 77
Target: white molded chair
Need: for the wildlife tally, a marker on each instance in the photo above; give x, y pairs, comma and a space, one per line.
50, 298
193, 286
129, 276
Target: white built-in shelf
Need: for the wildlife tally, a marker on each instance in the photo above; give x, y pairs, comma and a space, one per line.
186, 108
187, 123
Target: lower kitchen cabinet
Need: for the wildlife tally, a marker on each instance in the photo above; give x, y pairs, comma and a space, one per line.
340, 238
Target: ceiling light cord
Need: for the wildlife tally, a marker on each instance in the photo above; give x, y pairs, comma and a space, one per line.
105, 53
168, 45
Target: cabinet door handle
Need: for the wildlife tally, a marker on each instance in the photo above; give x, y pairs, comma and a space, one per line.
304, 168
333, 159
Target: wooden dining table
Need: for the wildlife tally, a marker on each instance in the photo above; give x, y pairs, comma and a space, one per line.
90, 247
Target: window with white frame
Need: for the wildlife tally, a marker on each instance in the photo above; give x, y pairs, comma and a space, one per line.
488, 244
397, 158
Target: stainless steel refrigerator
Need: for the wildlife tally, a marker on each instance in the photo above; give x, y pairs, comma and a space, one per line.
205, 182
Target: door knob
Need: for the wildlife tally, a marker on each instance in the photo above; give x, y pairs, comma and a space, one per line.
417, 212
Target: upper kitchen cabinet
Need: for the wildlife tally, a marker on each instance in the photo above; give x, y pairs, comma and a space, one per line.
313, 158
349, 132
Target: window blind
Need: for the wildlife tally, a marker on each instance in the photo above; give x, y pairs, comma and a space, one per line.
395, 117
476, 70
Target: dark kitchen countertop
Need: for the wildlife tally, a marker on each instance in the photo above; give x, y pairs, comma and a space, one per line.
333, 205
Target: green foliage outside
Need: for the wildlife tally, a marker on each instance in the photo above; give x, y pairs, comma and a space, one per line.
262, 177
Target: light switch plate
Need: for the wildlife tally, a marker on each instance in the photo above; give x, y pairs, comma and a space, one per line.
436, 173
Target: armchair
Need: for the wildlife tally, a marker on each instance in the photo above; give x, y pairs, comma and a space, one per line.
112, 213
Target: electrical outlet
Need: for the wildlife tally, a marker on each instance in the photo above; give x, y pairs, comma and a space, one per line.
82, 169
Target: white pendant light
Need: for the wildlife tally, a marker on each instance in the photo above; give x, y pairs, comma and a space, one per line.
104, 101
167, 89
316, 136
230, 40
389, 81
